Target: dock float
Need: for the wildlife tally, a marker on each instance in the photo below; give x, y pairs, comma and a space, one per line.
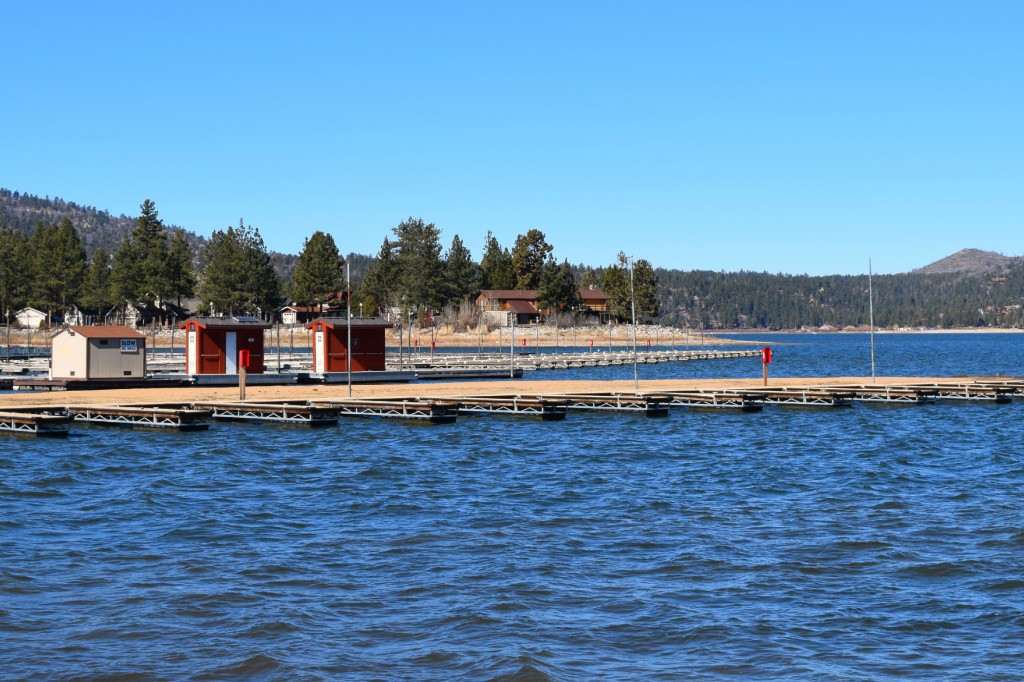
36, 422
419, 410
971, 392
546, 409
652, 405
303, 414
177, 417
716, 401
803, 398
895, 394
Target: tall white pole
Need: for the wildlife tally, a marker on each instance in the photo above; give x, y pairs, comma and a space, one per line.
512, 348
871, 318
632, 306
348, 322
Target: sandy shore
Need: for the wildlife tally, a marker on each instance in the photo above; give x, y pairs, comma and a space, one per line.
425, 390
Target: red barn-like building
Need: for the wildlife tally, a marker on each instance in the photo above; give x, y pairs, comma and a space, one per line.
212, 344
330, 344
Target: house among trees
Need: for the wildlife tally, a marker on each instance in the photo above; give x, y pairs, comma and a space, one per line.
499, 305
30, 318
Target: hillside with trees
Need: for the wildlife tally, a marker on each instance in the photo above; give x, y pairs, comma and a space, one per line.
55, 253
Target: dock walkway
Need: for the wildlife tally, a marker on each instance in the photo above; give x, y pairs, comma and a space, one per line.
196, 416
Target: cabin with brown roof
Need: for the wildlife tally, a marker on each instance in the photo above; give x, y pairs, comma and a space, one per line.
330, 344
101, 352
500, 304
213, 345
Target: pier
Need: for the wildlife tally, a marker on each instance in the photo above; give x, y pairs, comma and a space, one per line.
446, 408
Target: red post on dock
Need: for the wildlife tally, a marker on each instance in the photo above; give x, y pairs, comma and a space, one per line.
766, 358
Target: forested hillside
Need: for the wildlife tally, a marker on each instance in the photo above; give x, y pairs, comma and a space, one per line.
743, 300
968, 289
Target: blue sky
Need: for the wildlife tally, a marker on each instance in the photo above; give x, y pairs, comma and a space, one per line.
797, 137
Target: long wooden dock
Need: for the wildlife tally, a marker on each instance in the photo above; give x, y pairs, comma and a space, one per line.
56, 421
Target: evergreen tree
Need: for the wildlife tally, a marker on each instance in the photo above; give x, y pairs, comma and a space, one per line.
590, 280
140, 274
420, 269
496, 266
96, 294
558, 290
15, 272
645, 290
379, 288
238, 276
615, 283
462, 275
529, 255
181, 278
58, 259
319, 273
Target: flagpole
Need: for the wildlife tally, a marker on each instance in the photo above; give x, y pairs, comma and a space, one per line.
871, 318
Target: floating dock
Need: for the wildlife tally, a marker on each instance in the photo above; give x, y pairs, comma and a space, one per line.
55, 421
176, 417
35, 422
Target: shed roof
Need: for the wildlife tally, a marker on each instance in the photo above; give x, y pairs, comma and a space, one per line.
594, 294
228, 322
106, 332
364, 322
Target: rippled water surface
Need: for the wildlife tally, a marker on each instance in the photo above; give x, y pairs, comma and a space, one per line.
857, 543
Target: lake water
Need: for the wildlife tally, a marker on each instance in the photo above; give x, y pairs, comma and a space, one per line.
860, 543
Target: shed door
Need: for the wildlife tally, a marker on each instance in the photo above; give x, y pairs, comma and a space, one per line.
192, 361
230, 353
319, 353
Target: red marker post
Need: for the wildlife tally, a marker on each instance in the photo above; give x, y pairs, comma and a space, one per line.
243, 364
766, 359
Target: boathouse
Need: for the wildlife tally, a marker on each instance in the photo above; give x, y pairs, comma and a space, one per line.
108, 352
330, 344
213, 344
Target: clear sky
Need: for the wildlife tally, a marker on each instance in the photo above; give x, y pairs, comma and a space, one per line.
796, 137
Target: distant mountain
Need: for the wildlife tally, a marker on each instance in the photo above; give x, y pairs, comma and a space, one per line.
969, 262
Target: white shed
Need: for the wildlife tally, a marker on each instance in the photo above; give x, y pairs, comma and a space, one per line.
30, 318
98, 353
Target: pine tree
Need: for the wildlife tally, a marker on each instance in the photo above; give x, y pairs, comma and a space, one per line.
496, 266
181, 276
645, 290
558, 290
140, 273
58, 260
15, 272
529, 255
462, 275
238, 276
319, 273
380, 285
615, 283
96, 294
420, 270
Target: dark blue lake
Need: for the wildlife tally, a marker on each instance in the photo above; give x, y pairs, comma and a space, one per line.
860, 543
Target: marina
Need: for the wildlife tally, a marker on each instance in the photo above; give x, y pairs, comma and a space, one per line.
746, 516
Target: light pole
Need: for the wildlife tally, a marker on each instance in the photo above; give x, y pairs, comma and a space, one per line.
632, 307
